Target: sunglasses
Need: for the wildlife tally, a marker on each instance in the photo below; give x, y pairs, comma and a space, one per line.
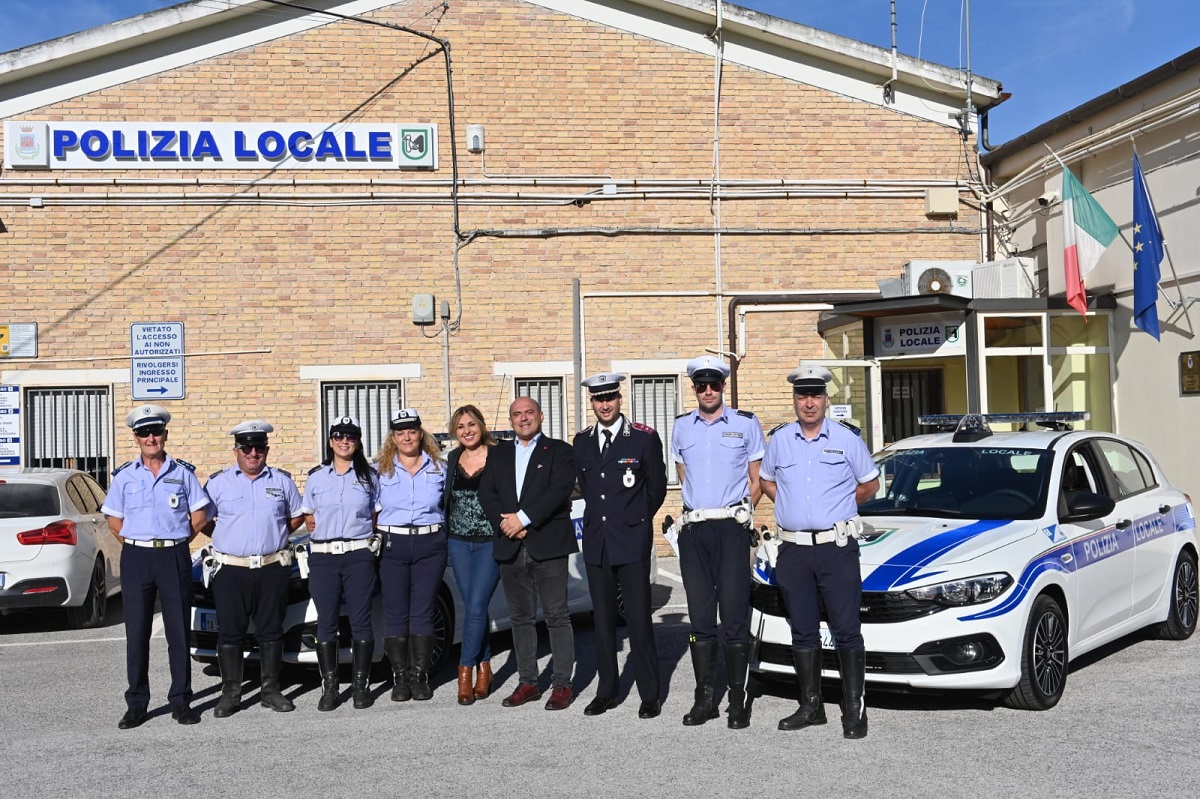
248, 448
703, 385
146, 432
340, 436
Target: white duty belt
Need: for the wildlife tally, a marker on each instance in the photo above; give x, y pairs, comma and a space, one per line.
410, 529
283, 556
342, 547
155, 543
741, 513
840, 533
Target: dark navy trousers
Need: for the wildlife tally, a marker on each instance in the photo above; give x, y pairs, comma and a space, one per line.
336, 581
410, 573
164, 575
242, 595
824, 574
714, 562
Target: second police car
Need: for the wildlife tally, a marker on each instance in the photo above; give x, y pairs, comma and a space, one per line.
990, 560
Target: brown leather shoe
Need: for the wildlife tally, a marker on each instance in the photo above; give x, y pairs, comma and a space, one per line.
524, 693
560, 698
483, 683
466, 696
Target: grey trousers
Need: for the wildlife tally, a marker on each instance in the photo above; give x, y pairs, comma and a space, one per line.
526, 583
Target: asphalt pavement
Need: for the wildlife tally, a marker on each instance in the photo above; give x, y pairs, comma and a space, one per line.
1127, 726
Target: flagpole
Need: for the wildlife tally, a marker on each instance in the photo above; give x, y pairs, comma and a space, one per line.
1184, 304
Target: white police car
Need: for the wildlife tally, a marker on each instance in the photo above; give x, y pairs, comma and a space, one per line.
990, 560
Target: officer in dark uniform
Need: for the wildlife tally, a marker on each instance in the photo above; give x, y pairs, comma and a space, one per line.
624, 481
817, 472
717, 452
155, 506
256, 508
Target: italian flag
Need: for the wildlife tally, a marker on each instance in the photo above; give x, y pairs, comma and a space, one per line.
1087, 232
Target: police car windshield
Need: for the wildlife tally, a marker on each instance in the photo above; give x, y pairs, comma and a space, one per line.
962, 482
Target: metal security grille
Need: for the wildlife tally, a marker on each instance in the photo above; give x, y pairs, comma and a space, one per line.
371, 403
547, 392
655, 402
70, 428
907, 395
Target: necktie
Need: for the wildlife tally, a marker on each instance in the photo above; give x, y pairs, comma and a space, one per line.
607, 440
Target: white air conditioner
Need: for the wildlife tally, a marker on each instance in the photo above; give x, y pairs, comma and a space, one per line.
1012, 278
938, 277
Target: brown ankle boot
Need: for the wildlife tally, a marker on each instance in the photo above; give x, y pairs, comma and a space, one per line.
465, 695
483, 684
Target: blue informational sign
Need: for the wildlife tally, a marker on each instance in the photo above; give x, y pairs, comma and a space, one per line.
156, 372
10, 425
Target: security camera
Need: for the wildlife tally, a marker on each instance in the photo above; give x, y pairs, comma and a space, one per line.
1048, 199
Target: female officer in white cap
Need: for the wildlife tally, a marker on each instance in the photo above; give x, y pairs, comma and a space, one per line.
817, 471
341, 499
412, 477
256, 508
155, 505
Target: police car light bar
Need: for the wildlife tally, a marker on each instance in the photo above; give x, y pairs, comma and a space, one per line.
1057, 420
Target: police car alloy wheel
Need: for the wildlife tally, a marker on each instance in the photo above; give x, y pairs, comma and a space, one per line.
1043, 660
1181, 622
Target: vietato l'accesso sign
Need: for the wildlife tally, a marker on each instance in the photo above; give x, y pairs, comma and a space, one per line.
219, 145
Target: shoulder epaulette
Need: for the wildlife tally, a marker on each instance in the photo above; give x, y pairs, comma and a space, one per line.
587, 431
645, 428
777, 427
186, 465
855, 430
122, 466
747, 414
315, 468
685, 413
284, 472
214, 474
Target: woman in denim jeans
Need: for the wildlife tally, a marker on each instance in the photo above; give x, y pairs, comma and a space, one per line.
476, 572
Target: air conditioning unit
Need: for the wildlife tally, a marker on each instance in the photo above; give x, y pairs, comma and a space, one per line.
1012, 278
938, 277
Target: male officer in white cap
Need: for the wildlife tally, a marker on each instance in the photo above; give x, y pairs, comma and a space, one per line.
817, 472
155, 506
256, 508
717, 452
624, 482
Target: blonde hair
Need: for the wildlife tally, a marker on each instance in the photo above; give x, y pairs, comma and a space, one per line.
487, 439
385, 461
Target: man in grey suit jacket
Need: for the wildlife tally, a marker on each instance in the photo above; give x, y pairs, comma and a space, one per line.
526, 494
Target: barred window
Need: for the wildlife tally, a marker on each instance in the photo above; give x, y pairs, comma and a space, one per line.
655, 402
372, 403
547, 392
70, 428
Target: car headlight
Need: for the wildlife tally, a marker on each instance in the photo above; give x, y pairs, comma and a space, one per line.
971, 591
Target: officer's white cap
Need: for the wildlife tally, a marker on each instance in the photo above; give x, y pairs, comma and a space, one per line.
345, 424
707, 367
146, 415
809, 379
406, 419
603, 385
252, 431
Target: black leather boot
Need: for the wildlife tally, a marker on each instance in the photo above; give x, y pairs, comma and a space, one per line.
327, 662
737, 664
704, 663
362, 652
808, 675
421, 649
396, 649
853, 665
229, 658
270, 657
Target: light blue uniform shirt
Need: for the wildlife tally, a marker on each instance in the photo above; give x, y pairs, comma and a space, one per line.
716, 456
154, 507
412, 499
252, 515
341, 505
524, 455
816, 479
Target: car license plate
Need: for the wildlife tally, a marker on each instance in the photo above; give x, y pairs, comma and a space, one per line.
827, 641
206, 621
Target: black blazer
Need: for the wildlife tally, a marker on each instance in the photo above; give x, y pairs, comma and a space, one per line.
545, 498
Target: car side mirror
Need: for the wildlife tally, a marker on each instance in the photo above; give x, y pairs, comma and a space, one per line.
1085, 506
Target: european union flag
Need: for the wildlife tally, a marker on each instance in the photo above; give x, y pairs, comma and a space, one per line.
1147, 255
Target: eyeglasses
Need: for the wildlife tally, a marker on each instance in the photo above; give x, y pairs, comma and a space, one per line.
341, 435
248, 448
704, 385
146, 432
